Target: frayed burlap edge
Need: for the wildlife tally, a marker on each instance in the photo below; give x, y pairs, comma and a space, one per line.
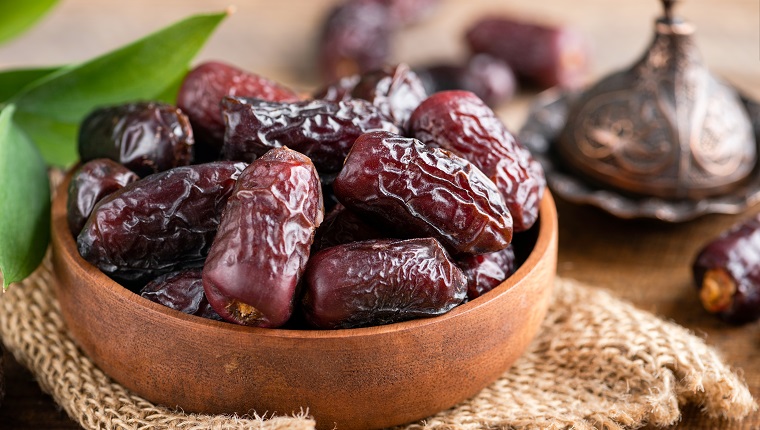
597, 362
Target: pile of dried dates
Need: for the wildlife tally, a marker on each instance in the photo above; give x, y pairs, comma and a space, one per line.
368, 203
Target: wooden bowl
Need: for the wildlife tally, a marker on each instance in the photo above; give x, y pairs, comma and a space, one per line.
354, 378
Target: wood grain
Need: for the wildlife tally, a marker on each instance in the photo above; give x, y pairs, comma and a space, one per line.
645, 262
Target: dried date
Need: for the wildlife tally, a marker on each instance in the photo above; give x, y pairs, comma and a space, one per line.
322, 130
540, 55
159, 224
262, 246
146, 137
395, 90
89, 184
488, 77
462, 123
202, 91
344, 226
355, 38
424, 192
380, 282
727, 273
485, 272
181, 291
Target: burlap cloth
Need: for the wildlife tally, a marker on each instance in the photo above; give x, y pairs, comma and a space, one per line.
597, 362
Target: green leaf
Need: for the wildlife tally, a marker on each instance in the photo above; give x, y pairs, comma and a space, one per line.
25, 203
140, 70
18, 15
169, 94
13, 82
56, 141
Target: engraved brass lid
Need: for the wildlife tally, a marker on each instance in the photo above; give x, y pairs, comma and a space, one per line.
665, 127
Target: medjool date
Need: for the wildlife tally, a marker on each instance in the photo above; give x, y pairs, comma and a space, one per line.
489, 78
344, 226
322, 130
541, 55
146, 137
181, 291
395, 90
159, 224
462, 123
202, 91
262, 246
727, 273
485, 272
424, 192
380, 282
89, 184
355, 39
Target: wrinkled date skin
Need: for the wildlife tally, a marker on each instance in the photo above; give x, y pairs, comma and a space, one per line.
262, 246
91, 183
424, 192
322, 130
489, 78
727, 274
206, 85
145, 137
381, 282
344, 226
485, 272
395, 90
355, 38
540, 55
462, 123
159, 224
181, 291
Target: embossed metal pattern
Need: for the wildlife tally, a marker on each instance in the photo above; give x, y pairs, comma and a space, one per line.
665, 127
542, 130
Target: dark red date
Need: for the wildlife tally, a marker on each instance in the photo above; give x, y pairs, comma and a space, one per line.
338, 90
462, 123
159, 224
145, 137
262, 246
395, 90
204, 88
344, 226
355, 38
380, 282
181, 291
409, 12
424, 192
489, 78
485, 272
322, 130
540, 55
89, 184
727, 274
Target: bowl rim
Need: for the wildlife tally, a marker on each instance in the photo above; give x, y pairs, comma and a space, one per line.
547, 229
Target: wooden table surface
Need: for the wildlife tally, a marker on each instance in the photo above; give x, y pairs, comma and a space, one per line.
645, 262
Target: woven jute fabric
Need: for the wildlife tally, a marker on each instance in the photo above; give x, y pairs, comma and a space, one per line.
597, 362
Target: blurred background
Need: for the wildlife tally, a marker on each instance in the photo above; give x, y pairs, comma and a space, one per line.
279, 39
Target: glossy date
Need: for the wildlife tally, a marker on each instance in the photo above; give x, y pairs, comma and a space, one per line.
424, 192
344, 226
264, 240
380, 282
322, 130
207, 84
146, 137
181, 291
159, 224
89, 184
462, 123
485, 272
727, 274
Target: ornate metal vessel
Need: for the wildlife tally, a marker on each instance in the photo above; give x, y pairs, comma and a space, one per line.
665, 127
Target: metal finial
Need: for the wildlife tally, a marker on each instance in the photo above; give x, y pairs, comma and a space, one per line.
667, 5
